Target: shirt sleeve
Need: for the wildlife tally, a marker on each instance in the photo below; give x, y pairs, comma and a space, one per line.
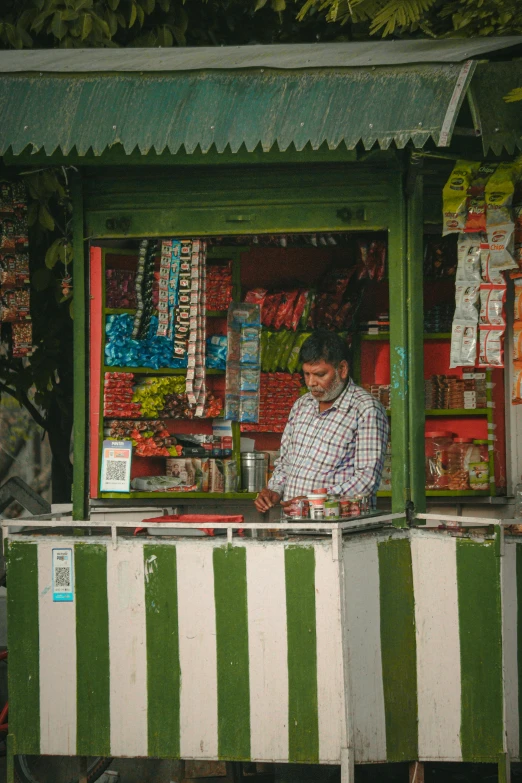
277, 482
370, 449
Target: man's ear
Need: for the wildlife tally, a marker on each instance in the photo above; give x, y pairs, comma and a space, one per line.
344, 369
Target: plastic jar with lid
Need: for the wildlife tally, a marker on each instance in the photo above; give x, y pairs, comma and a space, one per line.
479, 466
459, 454
437, 444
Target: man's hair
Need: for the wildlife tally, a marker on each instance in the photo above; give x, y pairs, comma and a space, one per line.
327, 346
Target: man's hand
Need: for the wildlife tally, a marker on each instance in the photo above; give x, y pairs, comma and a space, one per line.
266, 500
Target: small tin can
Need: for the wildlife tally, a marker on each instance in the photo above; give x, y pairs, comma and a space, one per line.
332, 507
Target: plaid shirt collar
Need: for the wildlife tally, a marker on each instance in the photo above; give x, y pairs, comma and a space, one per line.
343, 402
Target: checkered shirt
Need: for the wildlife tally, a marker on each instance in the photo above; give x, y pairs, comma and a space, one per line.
341, 448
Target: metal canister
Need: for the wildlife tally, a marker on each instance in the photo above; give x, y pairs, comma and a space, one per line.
254, 470
332, 507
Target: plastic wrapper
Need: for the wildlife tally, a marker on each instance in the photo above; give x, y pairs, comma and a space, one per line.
455, 195
491, 347
492, 299
468, 259
440, 257
293, 361
476, 202
517, 341
371, 259
466, 302
283, 317
501, 247
463, 351
516, 393
270, 309
248, 379
299, 310
216, 357
121, 350
489, 273
499, 192
249, 407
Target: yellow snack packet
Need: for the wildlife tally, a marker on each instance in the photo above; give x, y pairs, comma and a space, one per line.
454, 196
499, 192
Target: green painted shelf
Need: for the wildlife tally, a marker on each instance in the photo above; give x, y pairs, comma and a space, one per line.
180, 495
386, 336
160, 371
455, 493
452, 412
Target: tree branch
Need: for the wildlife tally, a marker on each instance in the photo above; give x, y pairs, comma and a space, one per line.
24, 400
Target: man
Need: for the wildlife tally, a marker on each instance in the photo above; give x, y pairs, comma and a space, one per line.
336, 435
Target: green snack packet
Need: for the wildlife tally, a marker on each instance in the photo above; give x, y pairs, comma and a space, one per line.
266, 347
263, 344
278, 337
284, 338
310, 297
293, 362
292, 337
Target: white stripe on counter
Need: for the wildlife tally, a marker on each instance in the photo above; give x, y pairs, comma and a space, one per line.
57, 621
268, 652
330, 680
361, 568
128, 650
434, 563
197, 651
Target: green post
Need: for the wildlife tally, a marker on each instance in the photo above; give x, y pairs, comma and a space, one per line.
10, 774
397, 251
415, 313
79, 359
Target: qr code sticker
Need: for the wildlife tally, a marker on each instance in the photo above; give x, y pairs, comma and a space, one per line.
62, 577
115, 470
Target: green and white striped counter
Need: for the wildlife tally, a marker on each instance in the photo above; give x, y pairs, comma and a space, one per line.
406, 648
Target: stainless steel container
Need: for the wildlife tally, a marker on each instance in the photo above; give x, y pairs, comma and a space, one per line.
254, 471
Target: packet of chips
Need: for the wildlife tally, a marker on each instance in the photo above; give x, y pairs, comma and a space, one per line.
516, 393
463, 350
468, 255
492, 298
466, 302
489, 273
517, 305
454, 196
293, 362
517, 341
476, 203
491, 348
501, 245
499, 192
517, 215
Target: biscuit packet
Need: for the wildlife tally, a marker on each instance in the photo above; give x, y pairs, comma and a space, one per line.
463, 351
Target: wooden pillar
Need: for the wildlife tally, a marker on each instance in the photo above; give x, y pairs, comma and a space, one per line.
80, 352
415, 315
397, 252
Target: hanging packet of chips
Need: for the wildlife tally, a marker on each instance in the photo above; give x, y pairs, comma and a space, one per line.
492, 298
517, 216
501, 247
476, 202
468, 255
455, 195
489, 273
466, 302
499, 192
463, 344
516, 393
491, 346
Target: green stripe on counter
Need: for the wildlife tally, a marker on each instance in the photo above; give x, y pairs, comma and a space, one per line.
303, 721
163, 667
24, 647
518, 550
398, 649
233, 682
92, 651
479, 600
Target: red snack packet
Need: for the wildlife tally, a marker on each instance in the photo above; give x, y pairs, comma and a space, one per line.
283, 316
299, 309
270, 308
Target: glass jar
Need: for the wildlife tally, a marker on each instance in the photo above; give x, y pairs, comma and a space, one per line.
436, 449
458, 463
479, 466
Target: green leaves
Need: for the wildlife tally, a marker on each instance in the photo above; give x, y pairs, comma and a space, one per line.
514, 95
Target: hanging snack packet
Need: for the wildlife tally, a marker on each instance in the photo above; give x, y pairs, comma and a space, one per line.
499, 193
489, 273
468, 254
517, 215
293, 361
500, 239
517, 306
454, 196
517, 341
466, 302
516, 393
463, 344
299, 309
492, 298
476, 203
270, 309
491, 349
285, 310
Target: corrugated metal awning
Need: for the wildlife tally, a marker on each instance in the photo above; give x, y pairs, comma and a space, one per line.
56, 101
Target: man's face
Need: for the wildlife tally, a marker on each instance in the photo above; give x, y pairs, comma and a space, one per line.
325, 381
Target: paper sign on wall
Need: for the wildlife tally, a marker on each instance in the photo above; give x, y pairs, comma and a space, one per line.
116, 466
63, 585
